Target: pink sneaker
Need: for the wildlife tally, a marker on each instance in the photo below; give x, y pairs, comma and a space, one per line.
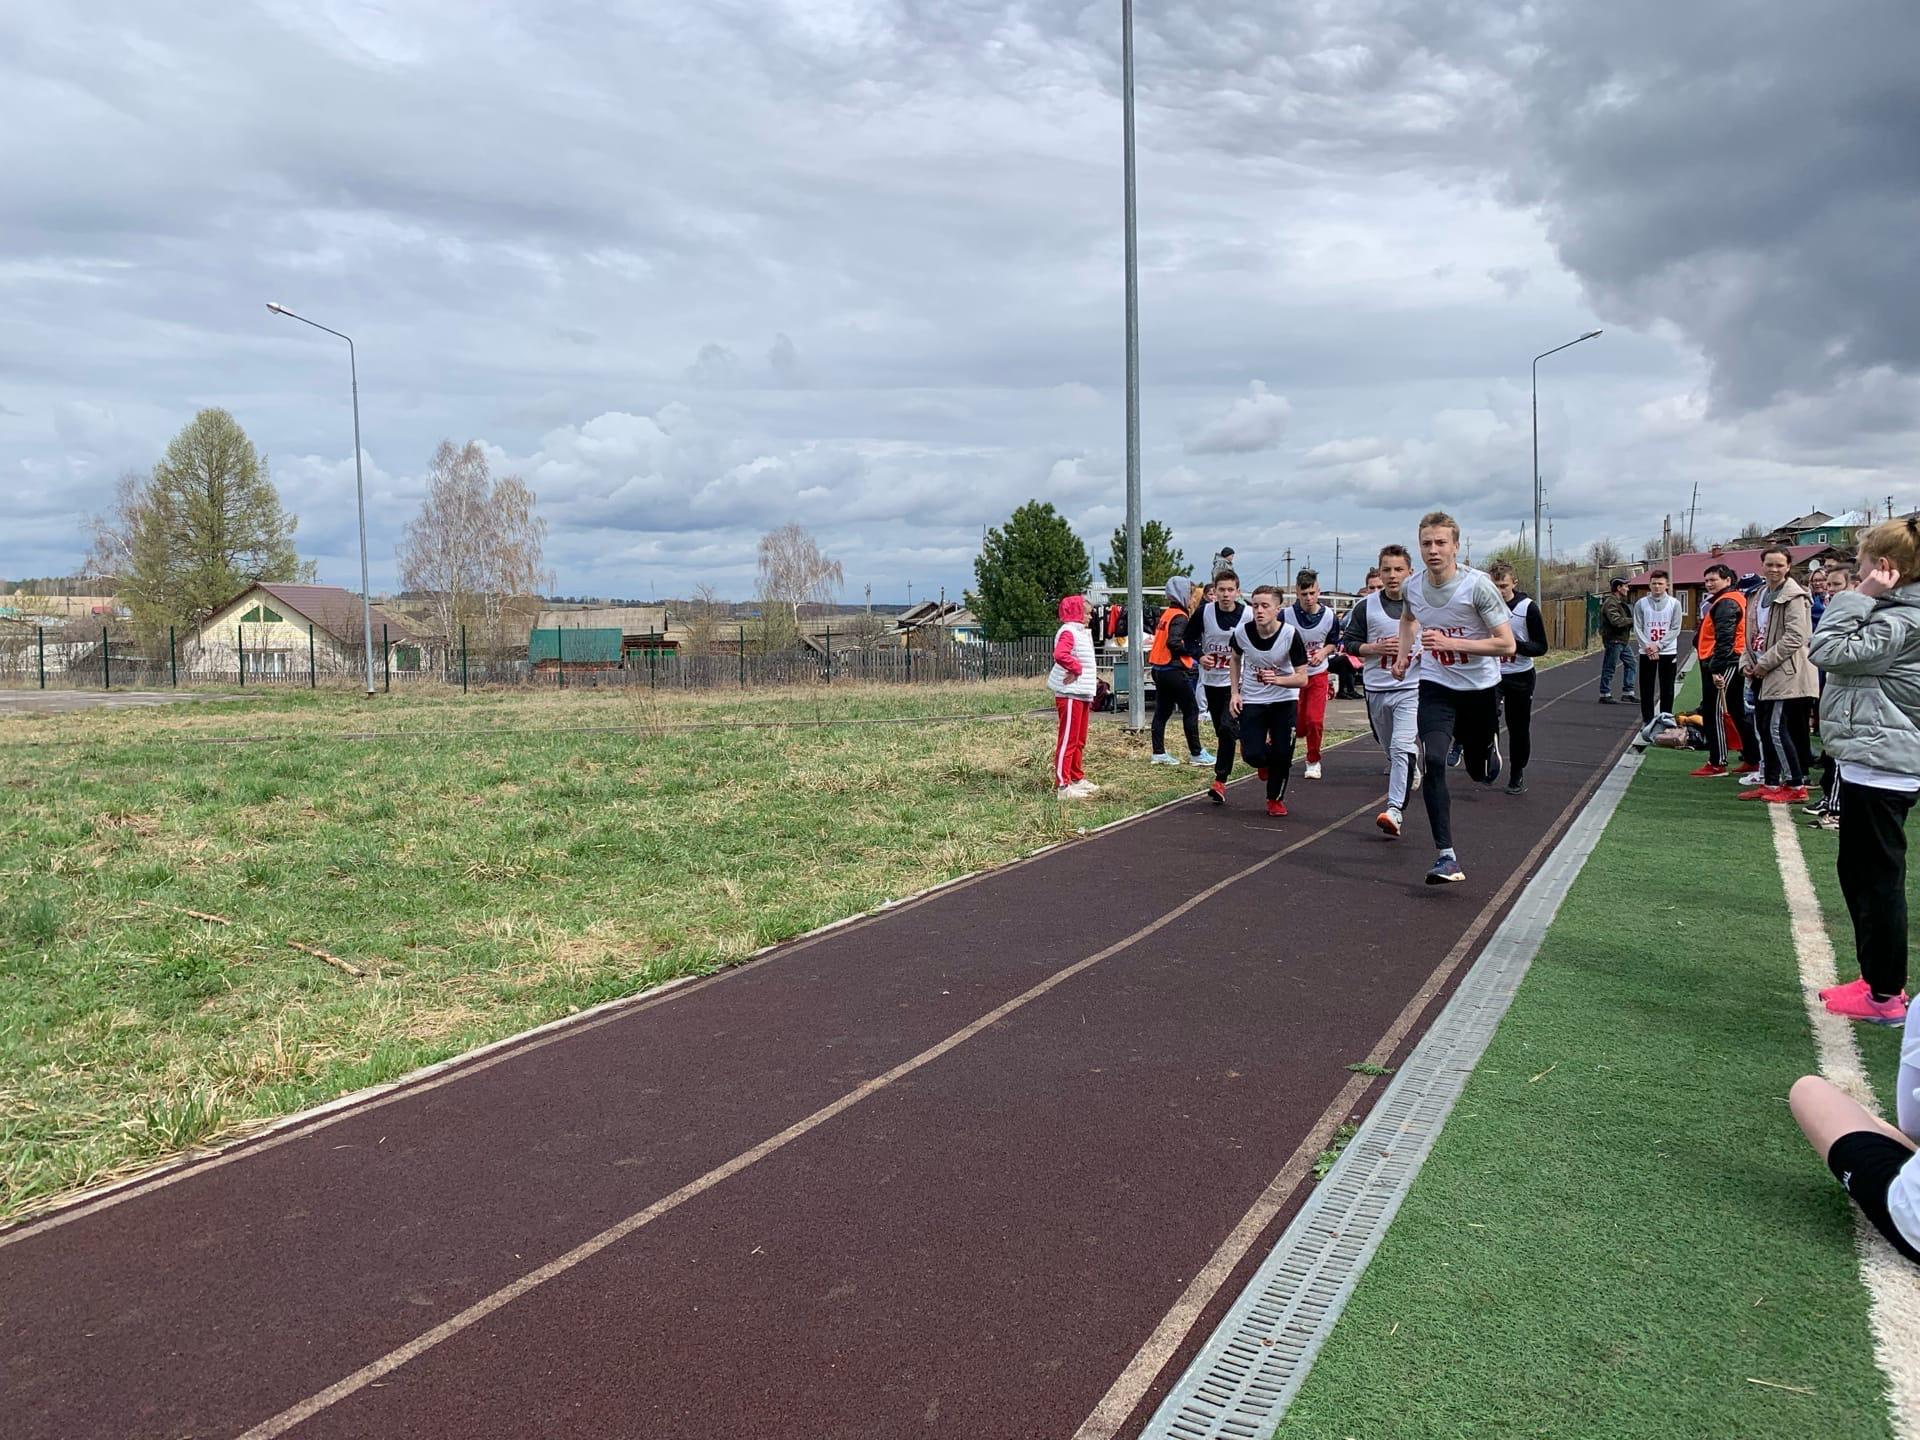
1864, 1007
1852, 987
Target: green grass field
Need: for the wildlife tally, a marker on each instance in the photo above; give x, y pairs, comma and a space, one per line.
1621, 1232
502, 864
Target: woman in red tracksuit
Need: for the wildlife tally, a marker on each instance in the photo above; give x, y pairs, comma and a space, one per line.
1072, 681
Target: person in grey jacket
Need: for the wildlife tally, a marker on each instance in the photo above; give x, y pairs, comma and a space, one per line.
1616, 634
1778, 663
1869, 645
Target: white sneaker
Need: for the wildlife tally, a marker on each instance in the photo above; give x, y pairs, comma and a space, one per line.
1419, 774
1205, 757
1313, 770
1746, 781
1085, 785
1160, 757
1069, 792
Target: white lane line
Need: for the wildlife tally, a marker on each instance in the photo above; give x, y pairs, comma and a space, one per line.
1892, 1281
586, 1250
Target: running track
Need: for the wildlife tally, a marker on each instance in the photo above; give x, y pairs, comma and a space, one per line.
987, 1165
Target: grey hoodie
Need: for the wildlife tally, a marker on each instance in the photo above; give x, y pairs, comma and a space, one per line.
1870, 649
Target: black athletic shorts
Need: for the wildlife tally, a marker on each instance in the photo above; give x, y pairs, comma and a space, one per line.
1865, 1162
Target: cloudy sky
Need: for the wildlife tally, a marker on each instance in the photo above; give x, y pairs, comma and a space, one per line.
696, 268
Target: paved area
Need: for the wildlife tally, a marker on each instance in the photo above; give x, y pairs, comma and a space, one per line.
68, 702
966, 1169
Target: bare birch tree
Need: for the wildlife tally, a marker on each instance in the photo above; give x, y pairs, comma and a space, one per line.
793, 572
476, 542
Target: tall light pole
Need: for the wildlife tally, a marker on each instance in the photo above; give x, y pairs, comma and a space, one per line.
1136, 606
1536, 453
359, 484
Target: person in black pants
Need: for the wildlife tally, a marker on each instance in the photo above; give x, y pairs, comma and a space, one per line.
1656, 631
1722, 641
1210, 641
1517, 675
1173, 664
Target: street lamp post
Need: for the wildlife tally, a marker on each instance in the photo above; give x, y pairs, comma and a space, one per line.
1537, 595
359, 484
1136, 605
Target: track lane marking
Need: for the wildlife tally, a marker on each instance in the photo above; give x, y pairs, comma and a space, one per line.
386, 1364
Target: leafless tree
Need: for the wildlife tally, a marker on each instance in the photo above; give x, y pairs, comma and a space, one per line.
793, 572
111, 555
1605, 554
476, 541
703, 621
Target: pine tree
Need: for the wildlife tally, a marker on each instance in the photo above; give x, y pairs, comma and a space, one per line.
1024, 569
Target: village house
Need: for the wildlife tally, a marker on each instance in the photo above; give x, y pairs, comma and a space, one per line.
274, 631
1689, 572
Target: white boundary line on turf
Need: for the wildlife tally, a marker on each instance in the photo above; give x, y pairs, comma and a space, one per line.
1893, 1282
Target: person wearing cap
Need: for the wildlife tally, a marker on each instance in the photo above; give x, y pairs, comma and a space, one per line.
1616, 634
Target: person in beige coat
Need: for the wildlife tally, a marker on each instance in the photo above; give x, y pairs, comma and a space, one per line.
1789, 685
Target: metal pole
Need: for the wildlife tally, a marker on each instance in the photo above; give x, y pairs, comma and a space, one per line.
1336, 564
743, 657
360, 498
240, 642
463, 659
312, 675
106, 660
40, 637
386, 660
173, 659
829, 647
1136, 605
1536, 478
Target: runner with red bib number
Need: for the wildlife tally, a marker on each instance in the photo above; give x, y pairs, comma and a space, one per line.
1462, 628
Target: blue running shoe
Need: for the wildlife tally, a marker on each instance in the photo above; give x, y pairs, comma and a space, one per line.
1446, 870
1453, 755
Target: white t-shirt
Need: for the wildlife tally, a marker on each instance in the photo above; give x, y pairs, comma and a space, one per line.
1469, 606
1259, 653
1657, 623
1854, 773
1903, 1196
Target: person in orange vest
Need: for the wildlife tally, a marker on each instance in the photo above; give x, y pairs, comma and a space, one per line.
1722, 643
1172, 660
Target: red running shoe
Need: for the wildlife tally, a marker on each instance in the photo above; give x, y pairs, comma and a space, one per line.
1708, 771
1863, 1006
1261, 772
1757, 792
1852, 987
1786, 795
1217, 793
1277, 807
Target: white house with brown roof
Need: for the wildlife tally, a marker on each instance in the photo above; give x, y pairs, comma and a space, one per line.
275, 631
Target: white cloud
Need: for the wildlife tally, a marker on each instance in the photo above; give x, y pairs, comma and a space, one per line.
1256, 421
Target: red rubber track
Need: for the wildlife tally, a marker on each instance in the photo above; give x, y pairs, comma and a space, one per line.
977, 1249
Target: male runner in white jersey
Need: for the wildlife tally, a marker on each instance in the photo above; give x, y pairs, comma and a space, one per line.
1517, 674
1210, 634
1462, 627
1393, 705
1266, 684
1320, 628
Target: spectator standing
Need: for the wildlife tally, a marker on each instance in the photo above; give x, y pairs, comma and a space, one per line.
1656, 630
1869, 645
1222, 560
1778, 664
1722, 641
1616, 634
1072, 681
1172, 657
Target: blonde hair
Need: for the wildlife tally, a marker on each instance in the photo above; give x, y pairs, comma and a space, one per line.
1898, 543
1435, 518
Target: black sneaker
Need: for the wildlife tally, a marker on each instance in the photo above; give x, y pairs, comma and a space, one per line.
1516, 786
1606, 699
1493, 763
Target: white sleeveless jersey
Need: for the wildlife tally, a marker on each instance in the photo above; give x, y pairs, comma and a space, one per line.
1216, 645
1659, 622
1377, 673
1516, 663
1257, 654
1314, 634
1456, 614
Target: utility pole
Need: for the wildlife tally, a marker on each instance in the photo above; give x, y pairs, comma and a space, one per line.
1693, 509
869, 597
1336, 564
1286, 571
1136, 604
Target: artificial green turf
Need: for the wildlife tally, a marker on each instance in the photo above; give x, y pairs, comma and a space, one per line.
1621, 1230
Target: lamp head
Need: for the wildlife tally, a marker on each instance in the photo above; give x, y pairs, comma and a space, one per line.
277, 308
1590, 334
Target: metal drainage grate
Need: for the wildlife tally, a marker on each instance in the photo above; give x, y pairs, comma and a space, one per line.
1240, 1384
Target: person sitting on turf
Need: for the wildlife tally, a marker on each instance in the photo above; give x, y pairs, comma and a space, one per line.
1870, 1158
1869, 645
